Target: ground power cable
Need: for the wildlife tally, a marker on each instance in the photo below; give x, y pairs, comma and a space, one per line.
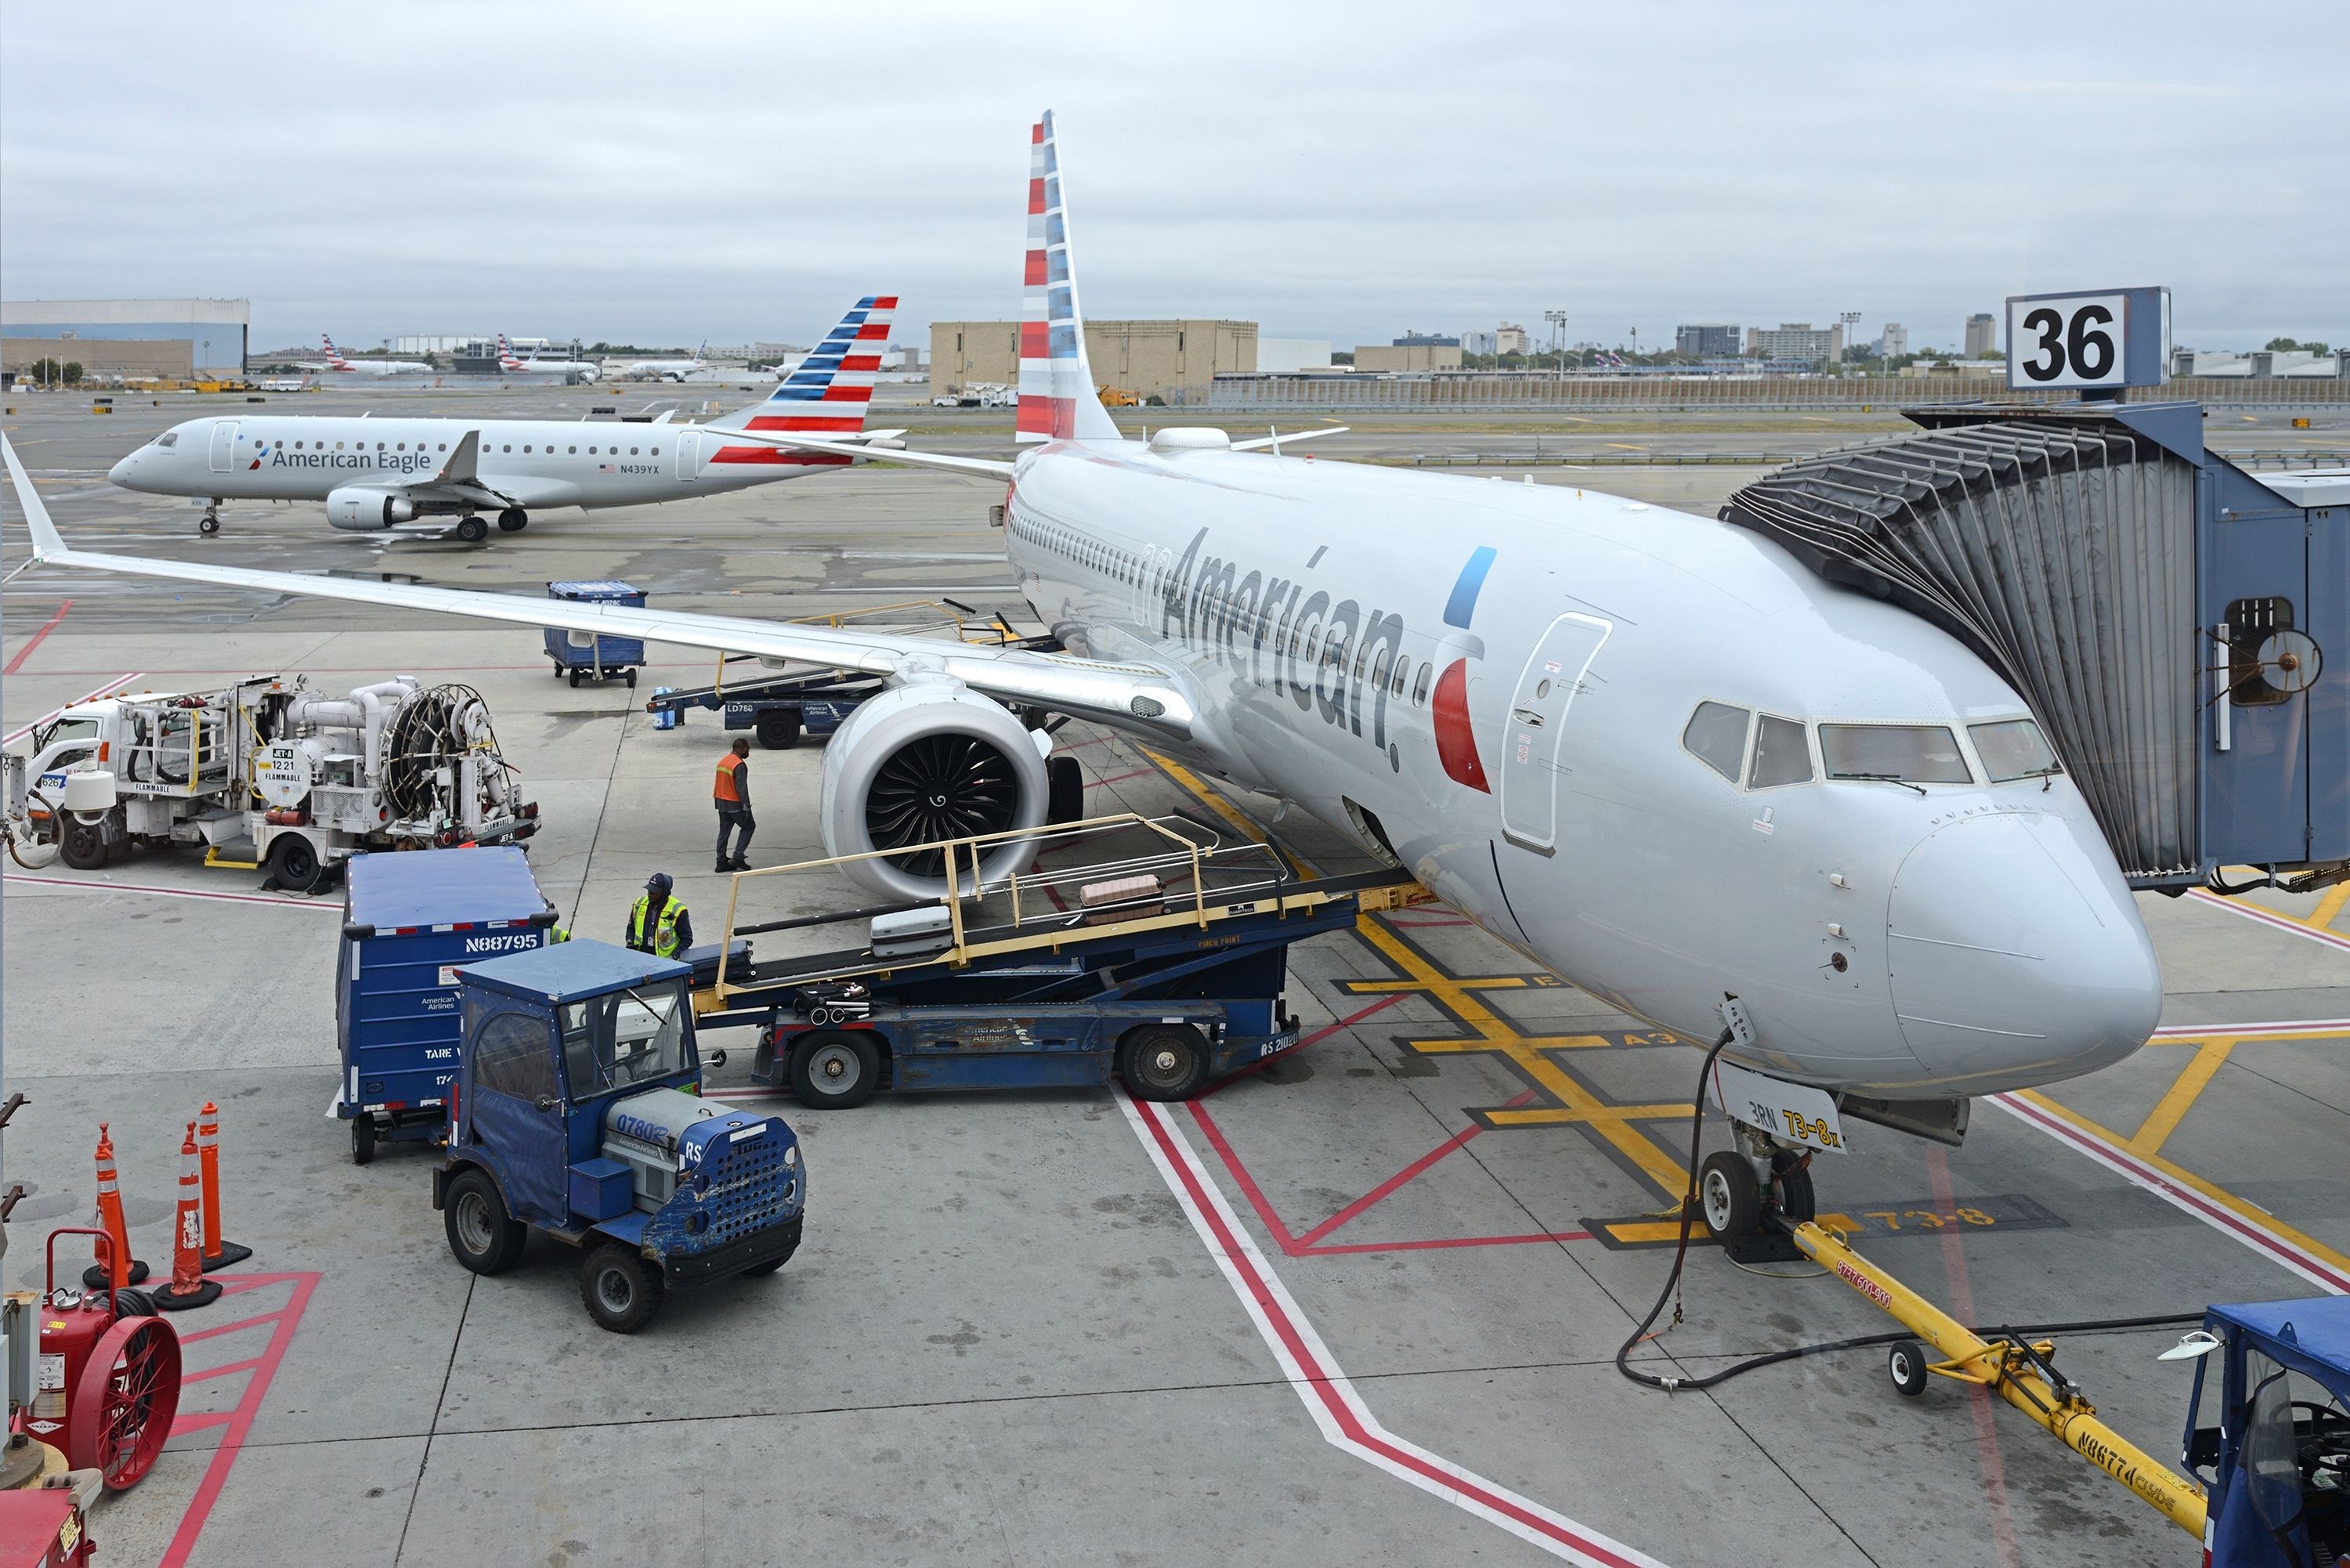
2012, 1332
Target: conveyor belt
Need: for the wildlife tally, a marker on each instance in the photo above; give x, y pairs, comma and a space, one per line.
2060, 548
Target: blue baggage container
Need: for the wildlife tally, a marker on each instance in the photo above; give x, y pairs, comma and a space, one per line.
410, 921
604, 655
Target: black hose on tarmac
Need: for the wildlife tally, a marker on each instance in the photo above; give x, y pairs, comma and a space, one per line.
1797, 1353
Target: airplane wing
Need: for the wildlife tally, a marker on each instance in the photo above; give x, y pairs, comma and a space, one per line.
1277, 441
1127, 694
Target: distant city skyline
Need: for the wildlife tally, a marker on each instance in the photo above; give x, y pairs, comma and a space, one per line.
621, 180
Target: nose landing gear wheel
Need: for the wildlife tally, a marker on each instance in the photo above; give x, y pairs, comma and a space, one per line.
208, 524
472, 530
1729, 1197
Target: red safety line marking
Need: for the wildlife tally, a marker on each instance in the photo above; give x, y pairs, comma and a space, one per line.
2252, 1031
48, 626
328, 906
184, 1424
2271, 918
2278, 1250
1262, 1063
1314, 1374
239, 1424
1295, 1246
1120, 778
1988, 1458
1393, 1183
108, 690
221, 1371
237, 1327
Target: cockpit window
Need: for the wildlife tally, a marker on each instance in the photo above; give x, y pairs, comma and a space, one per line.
2014, 749
1904, 753
1780, 754
1716, 736
169, 438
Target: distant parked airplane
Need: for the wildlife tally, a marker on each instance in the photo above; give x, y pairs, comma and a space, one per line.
337, 364
668, 369
579, 370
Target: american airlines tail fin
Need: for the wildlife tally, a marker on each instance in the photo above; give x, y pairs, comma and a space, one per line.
334, 355
1057, 383
507, 360
827, 393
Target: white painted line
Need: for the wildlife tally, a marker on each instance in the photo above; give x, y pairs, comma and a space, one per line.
108, 690
1347, 1422
330, 906
2271, 918
2280, 1250
2252, 1031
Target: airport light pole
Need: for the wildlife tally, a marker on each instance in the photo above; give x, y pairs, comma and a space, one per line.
1557, 319
1848, 317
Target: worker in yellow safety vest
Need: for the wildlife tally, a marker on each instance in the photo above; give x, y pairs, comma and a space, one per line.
657, 923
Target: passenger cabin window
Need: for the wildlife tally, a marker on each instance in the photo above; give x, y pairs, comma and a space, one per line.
1716, 736
1902, 753
1419, 686
1782, 756
2014, 749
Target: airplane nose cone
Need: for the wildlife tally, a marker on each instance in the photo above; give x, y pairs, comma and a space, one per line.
121, 471
2017, 956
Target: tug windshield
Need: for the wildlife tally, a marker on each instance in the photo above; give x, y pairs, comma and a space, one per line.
630, 1037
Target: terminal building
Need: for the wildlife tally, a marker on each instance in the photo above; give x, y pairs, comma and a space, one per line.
1174, 360
168, 338
1795, 342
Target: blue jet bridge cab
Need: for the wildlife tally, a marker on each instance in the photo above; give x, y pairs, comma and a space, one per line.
578, 1114
2269, 1432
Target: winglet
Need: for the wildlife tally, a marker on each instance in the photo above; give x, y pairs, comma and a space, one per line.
46, 546
464, 463
1057, 400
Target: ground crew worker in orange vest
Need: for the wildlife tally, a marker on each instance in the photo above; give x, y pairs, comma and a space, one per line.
732, 796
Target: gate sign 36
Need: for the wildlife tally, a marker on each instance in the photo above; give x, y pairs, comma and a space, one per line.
2120, 337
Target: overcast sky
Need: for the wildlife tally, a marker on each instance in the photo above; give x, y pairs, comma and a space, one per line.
661, 174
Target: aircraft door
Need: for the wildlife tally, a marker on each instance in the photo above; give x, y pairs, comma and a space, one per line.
689, 456
224, 445
1535, 740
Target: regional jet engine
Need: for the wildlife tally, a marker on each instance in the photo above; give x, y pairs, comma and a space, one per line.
926, 761
364, 508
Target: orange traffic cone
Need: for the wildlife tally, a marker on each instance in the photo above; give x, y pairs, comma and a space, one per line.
128, 1270
218, 1254
189, 1288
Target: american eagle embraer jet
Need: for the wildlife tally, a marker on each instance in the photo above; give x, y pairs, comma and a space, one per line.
378, 473
1648, 750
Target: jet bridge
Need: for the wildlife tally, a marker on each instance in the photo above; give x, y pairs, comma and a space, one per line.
2166, 615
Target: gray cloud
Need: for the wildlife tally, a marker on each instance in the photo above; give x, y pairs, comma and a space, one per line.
1331, 170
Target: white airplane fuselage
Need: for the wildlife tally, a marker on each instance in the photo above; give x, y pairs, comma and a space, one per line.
537, 463
1906, 942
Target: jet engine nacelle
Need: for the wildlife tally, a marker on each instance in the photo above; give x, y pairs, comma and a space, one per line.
926, 761
364, 507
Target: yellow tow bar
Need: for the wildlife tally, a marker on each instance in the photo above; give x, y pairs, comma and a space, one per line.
2018, 1373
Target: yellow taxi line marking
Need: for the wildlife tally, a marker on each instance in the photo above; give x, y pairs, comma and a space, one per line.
1454, 1044
1537, 1115
1475, 982
2250, 1212
2329, 906
2185, 1089
1491, 1033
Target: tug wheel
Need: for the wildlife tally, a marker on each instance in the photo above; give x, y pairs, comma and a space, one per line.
482, 1235
1906, 1364
621, 1291
125, 1400
1729, 1196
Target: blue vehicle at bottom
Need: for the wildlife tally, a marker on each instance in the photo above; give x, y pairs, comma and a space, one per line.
2273, 1383
577, 1114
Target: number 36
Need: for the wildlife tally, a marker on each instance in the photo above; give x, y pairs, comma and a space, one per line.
2079, 342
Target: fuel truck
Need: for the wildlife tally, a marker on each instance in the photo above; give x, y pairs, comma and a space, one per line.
267, 773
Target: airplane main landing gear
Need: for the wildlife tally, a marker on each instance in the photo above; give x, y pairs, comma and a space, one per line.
472, 530
513, 519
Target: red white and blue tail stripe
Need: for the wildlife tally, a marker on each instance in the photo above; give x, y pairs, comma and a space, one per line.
1057, 383
826, 394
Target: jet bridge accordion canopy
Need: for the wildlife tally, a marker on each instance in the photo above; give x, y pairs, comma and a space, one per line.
2132, 587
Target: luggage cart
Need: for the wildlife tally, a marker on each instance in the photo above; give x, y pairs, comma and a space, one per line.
596, 655
1151, 950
